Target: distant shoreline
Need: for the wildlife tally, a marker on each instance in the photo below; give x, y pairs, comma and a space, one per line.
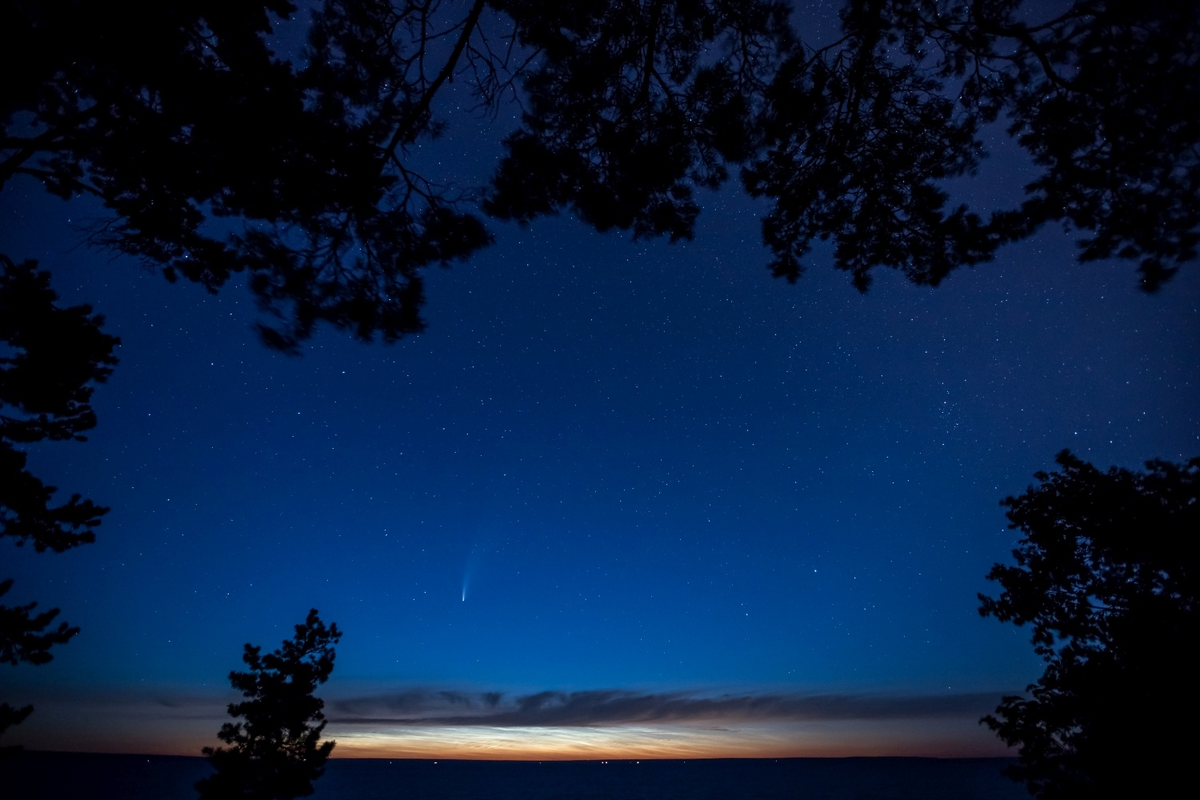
42, 774
335, 757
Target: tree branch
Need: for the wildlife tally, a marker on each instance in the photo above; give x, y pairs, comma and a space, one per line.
407, 132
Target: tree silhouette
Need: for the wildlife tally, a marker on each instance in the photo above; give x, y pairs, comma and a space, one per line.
274, 752
52, 359
216, 155
628, 112
858, 136
217, 150
182, 121
1108, 577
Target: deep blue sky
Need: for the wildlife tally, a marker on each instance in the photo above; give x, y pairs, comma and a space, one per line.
650, 469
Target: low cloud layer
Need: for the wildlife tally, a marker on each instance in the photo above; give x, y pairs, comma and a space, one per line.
425, 723
620, 707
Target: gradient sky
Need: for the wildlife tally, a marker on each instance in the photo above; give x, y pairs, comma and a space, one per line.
622, 498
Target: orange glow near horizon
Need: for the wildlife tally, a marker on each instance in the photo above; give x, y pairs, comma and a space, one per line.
626, 742
547, 744
156, 729
631, 742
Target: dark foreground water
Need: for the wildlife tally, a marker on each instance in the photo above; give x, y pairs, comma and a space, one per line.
50, 776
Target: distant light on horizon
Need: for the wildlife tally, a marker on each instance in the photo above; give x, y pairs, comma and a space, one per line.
826, 739
160, 724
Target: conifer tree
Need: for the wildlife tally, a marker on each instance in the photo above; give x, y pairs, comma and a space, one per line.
275, 751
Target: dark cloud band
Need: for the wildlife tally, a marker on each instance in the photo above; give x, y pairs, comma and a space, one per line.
617, 707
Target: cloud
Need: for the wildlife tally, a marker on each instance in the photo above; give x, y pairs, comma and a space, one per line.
622, 707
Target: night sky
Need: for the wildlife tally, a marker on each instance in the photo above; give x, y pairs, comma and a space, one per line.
621, 499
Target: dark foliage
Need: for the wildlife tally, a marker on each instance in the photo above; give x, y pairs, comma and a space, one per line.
181, 119
10, 716
1108, 577
630, 109
629, 112
51, 359
216, 155
24, 638
1105, 98
275, 752
23, 634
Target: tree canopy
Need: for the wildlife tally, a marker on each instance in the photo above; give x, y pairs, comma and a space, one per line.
1108, 578
52, 357
217, 148
276, 752
215, 154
